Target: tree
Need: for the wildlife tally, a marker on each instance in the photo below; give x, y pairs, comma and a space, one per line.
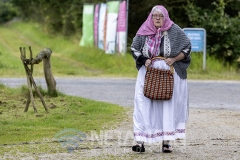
223, 37
7, 11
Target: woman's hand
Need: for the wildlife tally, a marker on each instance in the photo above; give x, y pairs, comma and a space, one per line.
148, 62
170, 61
179, 57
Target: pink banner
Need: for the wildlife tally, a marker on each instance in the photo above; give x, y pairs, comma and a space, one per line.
122, 17
96, 18
122, 28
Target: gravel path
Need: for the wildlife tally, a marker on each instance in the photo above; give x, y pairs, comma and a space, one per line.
213, 130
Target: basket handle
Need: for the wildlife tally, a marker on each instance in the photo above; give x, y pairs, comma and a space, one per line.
163, 58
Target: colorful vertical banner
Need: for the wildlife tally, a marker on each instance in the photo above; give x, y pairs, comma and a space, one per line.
101, 25
96, 19
105, 26
112, 15
87, 26
122, 28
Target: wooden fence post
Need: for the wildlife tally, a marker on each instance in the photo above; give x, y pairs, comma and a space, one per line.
51, 83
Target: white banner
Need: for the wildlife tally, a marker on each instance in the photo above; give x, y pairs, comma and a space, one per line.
112, 15
101, 26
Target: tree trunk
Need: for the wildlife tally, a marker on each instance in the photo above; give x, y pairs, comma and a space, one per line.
51, 83
45, 57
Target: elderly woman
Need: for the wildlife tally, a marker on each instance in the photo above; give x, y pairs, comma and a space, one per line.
160, 120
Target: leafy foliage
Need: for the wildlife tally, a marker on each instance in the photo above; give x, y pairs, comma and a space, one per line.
223, 37
58, 16
7, 11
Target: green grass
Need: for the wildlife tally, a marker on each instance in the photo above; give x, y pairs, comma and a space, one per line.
215, 69
69, 59
64, 112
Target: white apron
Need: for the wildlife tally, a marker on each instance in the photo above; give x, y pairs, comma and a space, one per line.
157, 120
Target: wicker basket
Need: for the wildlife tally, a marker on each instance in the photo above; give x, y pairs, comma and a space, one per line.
158, 84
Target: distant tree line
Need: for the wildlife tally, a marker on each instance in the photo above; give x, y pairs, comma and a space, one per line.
7, 11
220, 18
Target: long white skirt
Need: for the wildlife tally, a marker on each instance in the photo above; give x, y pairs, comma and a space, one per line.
157, 120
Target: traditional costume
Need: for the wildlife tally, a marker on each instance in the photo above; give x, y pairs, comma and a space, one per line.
158, 120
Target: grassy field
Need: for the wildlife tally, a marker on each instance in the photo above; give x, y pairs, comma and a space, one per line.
69, 59
64, 112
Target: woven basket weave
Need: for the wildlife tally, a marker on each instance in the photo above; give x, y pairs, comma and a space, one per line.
158, 84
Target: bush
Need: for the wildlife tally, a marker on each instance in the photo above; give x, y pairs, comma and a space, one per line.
223, 37
7, 12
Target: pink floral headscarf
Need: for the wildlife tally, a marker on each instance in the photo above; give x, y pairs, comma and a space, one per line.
148, 29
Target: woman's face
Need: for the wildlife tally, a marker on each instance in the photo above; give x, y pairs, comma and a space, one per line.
158, 19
